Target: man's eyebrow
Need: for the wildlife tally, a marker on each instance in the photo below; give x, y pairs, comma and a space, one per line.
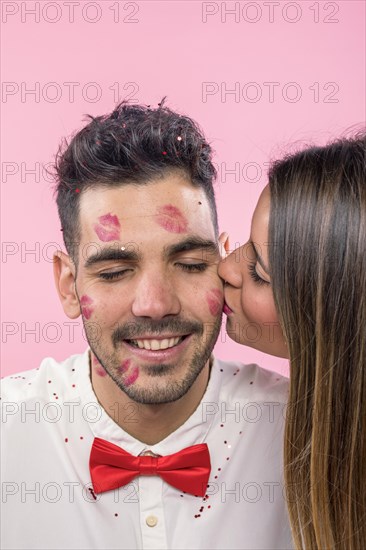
131, 255
111, 254
190, 244
259, 259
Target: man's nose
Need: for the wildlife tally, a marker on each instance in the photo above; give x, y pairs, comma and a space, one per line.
155, 296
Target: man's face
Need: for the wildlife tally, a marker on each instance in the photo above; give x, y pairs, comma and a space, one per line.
148, 287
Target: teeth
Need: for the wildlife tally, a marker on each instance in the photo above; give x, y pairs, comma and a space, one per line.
146, 344
156, 345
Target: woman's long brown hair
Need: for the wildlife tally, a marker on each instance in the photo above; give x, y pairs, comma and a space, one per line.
317, 256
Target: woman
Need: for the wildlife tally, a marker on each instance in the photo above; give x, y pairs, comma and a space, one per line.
302, 279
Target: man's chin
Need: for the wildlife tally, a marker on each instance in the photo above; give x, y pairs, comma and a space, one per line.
160, 383
158, 395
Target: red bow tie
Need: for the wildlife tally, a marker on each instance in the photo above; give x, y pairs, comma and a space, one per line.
112, 467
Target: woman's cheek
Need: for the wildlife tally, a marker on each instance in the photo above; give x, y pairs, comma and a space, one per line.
259, 310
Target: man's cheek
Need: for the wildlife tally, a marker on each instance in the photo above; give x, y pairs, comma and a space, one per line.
215, 301
86, 306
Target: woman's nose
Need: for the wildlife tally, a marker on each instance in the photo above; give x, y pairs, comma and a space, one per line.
230, 269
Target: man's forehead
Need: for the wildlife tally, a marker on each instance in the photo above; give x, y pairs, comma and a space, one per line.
163, 199
170, 208
142, 199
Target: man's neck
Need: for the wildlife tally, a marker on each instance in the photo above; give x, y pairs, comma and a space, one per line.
148, 423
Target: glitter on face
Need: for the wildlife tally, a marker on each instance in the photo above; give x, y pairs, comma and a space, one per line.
108, 228
86, 306
171, 219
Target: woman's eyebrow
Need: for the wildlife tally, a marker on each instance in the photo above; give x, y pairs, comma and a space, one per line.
259, 259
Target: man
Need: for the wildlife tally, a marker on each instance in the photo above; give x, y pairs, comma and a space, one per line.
145, 440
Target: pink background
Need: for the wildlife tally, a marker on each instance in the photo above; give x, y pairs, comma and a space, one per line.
152, 49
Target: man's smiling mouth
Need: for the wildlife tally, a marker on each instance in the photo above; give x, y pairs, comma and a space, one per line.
156, 344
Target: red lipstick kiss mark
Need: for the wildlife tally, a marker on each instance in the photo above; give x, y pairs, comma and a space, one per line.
108, 228
124, 366
99, 370
171, 219
214, 299
95, 360
86, 306
132, 377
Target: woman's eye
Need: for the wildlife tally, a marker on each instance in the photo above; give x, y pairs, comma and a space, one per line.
192, 267
113, 274
254, 275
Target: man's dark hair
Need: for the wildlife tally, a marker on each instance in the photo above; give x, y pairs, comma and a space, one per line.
134, 144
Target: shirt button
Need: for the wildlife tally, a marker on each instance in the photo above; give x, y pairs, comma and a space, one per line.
151, 521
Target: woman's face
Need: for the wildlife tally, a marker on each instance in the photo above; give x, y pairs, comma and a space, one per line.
251, 314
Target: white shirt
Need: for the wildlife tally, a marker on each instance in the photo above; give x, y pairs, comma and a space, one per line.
50, 417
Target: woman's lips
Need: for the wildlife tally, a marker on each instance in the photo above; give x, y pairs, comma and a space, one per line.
226, 309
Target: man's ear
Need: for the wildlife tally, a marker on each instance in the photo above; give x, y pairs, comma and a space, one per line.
64, 273
224, 244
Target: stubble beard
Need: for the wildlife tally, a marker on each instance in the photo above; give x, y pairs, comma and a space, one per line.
171, 389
